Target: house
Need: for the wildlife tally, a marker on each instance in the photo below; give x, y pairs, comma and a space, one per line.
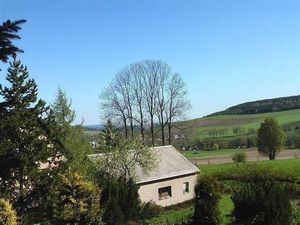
171, 182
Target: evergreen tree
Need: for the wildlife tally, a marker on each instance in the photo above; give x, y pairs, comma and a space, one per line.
28, 137
208, 195
8, 32
76, 147
61, 107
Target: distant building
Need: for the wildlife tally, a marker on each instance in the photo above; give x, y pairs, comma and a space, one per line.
171, 182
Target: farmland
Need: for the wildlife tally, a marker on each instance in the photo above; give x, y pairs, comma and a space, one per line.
223, 125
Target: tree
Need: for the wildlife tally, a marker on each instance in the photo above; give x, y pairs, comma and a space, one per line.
8, 33
61, 107
270, 138
126, 153
208, 194
178, 103
28, 137
74, 200
120, 199
7, 214
76, 148
146, 94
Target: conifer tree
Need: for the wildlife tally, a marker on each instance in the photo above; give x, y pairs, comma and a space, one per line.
28, 136
8, 32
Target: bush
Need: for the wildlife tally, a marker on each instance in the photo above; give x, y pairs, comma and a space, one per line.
150, 209
7, 214
120, 198
239, 157
208, 194
74, 200
262, 202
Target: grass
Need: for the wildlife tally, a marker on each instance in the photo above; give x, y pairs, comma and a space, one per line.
199, 128
285, 166
226, 206
203, 154
172, 216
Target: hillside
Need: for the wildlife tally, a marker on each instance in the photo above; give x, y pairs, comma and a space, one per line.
263, 106
231, 126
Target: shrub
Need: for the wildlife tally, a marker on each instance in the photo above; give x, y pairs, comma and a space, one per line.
208, 194
239, 157
7, 214
121, 200
74, 200
150, 209
262, 202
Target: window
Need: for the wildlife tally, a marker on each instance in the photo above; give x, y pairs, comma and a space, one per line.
164, 193
186, 188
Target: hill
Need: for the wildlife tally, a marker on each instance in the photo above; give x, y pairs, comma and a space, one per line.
263, 106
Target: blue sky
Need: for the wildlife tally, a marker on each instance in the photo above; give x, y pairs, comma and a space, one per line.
228, 52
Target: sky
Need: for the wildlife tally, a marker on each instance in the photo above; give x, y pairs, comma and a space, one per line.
227, 51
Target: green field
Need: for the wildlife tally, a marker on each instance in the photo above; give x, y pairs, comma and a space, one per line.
200, 128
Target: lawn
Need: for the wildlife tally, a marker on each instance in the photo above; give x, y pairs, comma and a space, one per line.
288, 166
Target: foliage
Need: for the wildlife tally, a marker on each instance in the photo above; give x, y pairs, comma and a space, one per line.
74, 200
7, 214
125, 153
208, 194
270, 138
295, 214
28, 137
239, 157
8, 32
119, 198
264, 202
61, 107
76, 147
150, 209
263, 106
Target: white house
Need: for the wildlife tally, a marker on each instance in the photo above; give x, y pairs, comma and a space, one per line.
172, 181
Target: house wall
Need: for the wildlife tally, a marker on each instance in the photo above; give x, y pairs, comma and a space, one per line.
149, 192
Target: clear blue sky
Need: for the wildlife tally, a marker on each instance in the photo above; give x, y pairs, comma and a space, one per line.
228, 52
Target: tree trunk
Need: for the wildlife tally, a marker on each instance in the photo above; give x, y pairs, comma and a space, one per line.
162, 135
169, 128
152, 130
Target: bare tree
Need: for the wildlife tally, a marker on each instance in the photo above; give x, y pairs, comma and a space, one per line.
113, 106
123, 87
161, 100
150, 85
146, 94
138, 73
178, 102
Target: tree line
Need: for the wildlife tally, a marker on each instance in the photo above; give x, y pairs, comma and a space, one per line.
263, 106
147, 95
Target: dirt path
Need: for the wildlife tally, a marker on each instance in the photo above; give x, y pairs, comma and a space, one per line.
252, 155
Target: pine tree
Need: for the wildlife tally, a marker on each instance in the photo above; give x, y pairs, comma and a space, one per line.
8, 32
27, 136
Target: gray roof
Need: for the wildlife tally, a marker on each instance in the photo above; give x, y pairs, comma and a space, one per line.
171, 163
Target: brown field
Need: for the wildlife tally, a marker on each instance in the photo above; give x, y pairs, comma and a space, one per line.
252, 155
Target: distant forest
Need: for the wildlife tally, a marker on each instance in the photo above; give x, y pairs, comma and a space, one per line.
263, 106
